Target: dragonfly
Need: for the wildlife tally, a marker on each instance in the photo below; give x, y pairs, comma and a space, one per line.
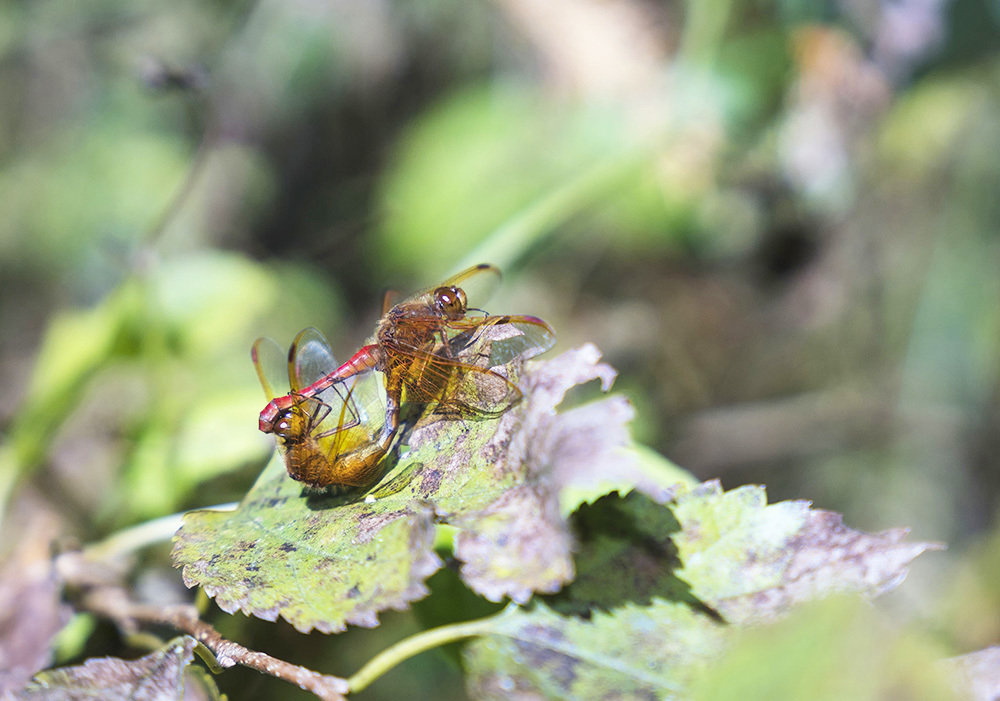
434, 347
322, 433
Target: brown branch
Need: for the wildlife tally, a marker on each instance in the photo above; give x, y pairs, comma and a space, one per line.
112, 601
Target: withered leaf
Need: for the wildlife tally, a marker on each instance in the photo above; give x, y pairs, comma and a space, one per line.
751, 562
520, 543
31, 610
977, 674
159, 676
741, 562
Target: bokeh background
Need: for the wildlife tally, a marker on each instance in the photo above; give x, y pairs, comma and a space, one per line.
778, 220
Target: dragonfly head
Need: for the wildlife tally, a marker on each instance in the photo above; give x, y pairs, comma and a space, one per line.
292, 424
450, 301
271, 414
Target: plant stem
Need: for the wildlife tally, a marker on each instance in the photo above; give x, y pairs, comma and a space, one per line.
704, 27
142, 535
113, 603
510, 240
414, 645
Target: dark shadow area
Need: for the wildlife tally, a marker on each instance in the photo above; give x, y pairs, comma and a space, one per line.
624, 555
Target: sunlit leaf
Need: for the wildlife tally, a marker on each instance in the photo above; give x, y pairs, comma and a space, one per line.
520, 543
752, 562
324, 561
319, 562
634, 652
156, 677
663, 589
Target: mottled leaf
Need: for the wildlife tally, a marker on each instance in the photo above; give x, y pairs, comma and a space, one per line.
319, 562
520, 543
636, 652
752, 562
517, 545
703, 554
324, 561
158, 676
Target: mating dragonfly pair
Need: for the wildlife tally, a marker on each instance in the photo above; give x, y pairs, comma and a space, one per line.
338, 422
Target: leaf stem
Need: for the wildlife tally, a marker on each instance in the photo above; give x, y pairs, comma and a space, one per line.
414, 645
136, 537
510, 240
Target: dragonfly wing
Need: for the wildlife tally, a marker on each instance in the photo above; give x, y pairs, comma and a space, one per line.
269, 362
357, 415
498, 340
463, 382
482, 391
523, 337
479, 283
309, 358
356, 405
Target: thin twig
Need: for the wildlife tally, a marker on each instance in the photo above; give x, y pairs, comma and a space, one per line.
112, 601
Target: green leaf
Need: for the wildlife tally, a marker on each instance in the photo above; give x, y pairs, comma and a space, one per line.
323, 561
839, 648
624, 554
517, 155
76, 344
752, 562
156, 677
319, 562
742, 559
635, 652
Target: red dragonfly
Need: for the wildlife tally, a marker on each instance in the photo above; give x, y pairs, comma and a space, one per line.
336, 421
432, 347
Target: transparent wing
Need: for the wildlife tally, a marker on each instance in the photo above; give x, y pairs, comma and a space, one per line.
357, 415
463, 382
479, 283
269, 362
501, 338
309, 358
352, 411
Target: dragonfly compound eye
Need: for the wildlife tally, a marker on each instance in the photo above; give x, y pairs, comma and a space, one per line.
450, 301
290, 424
